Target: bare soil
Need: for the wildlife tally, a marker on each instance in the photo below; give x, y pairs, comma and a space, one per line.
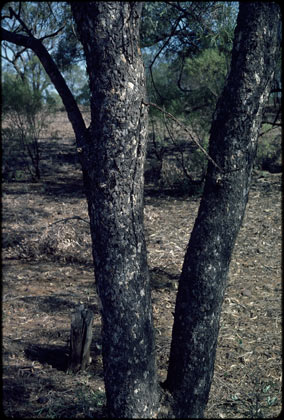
47, 270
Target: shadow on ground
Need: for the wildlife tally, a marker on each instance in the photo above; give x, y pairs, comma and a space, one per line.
55, 356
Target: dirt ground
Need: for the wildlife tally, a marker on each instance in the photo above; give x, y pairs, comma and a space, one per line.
47, 270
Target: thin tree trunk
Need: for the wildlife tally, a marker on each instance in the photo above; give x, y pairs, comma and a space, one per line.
109, 32
233, 146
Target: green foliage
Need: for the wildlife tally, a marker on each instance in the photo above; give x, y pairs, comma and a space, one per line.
156, 22
17, 96
68, 49
187, 57
83, 97
223, 25
207, 71
163, 90
78, 83
202, 81
204, 77
53, 100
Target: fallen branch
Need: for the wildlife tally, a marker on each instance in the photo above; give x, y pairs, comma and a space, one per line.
69, 218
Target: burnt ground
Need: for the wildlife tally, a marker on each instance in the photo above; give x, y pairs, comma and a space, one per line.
47, 270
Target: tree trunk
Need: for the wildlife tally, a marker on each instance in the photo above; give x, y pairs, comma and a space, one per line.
232, 146
113, 172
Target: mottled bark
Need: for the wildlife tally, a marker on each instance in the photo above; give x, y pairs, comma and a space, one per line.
115, 153
233, 144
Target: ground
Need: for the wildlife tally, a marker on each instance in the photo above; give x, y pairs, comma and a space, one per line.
47, 270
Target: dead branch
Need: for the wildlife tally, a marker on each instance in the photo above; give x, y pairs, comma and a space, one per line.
69, 218
187, 131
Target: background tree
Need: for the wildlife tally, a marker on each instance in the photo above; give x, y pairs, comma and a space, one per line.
112, 152
40, 19
27, 98
187, 56
46, 21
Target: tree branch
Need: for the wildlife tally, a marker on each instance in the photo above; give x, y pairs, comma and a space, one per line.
160, 50
74, 114
17, 16
181, 159
187, 131
53, 34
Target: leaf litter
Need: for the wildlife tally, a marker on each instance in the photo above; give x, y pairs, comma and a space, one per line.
47, 270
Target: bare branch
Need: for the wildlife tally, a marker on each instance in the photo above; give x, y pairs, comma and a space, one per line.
53, 34
181, 159
57, 79
180, 78
69, 218
17, 16
187, 131
160, 50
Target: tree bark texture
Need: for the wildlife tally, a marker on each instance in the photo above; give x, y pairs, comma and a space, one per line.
233, 145
114, 164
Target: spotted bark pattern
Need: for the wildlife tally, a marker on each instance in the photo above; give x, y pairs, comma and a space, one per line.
114, 156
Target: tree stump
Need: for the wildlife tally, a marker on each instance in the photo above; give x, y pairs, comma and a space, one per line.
80, 339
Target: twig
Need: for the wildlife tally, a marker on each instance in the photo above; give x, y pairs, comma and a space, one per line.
174, 27
17, 16
53, 34
187, 131
181, 160
69, 218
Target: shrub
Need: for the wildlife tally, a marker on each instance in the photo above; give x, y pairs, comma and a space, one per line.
24, 117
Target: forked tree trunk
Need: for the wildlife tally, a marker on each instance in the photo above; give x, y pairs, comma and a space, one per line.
233, 147
112, 154
115, 151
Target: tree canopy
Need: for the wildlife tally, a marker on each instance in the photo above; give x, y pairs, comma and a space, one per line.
172, 34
